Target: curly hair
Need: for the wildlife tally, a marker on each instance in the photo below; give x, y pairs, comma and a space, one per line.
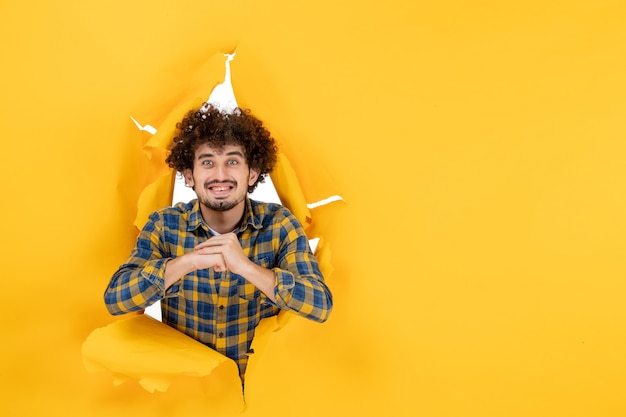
210, 125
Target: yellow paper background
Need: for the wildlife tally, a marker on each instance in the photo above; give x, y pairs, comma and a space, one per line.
478, 264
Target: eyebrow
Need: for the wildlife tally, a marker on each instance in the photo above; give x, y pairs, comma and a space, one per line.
210, 155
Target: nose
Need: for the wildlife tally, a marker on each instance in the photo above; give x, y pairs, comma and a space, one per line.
220, 172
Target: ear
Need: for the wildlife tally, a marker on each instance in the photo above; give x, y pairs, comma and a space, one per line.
254, 175
188, 177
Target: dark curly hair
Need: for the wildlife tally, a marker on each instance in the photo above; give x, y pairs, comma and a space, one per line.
218, 128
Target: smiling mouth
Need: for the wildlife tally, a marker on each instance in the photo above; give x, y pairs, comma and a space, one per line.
220, 190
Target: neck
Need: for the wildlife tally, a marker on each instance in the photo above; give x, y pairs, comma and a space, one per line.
223, 221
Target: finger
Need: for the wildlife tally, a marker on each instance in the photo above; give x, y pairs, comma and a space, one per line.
214, 241
220, 266
209, 244
209, 250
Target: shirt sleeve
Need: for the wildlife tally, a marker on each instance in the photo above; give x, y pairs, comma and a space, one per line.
138, 283
300, 286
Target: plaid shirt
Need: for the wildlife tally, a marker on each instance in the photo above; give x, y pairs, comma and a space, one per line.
221, 310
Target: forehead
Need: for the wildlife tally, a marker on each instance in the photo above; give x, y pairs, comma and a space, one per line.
207, 151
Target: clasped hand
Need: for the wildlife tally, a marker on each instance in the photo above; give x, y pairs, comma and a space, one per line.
222, 252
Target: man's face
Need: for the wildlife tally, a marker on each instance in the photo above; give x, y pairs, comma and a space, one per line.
220, 177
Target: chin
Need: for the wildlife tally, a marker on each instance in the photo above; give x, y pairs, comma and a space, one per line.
220, 205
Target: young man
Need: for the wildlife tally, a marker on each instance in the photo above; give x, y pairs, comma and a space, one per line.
222, 262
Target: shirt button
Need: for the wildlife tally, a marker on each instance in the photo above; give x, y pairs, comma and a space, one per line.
221, 307
221, 334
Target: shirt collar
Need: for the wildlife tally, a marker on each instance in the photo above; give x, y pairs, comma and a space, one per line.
249, 217
195, 217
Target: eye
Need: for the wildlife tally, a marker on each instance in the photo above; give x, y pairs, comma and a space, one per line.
207, 163
233, 162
